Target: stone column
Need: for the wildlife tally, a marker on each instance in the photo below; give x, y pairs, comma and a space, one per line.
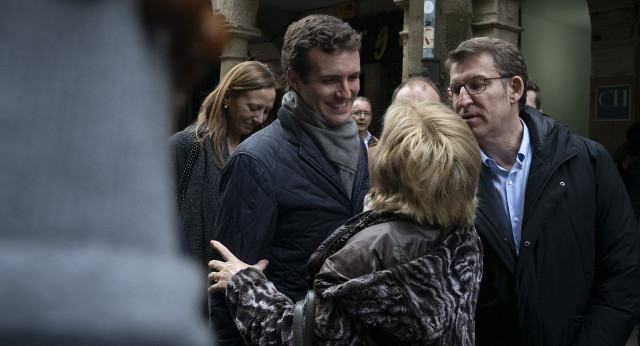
412, 35
241, 15
497, 18
455, 27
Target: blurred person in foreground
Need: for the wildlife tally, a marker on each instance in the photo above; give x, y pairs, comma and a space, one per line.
561, 243
406, 271
89, 248
290, 185
361, 114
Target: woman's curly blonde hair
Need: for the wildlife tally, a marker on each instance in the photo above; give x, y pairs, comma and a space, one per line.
426, 165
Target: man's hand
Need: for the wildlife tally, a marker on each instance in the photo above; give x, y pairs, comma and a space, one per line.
224, 270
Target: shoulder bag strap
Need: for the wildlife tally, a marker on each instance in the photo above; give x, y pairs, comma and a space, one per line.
303, 318
186, 174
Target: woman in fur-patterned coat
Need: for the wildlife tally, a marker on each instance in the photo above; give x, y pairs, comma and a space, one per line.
406, 272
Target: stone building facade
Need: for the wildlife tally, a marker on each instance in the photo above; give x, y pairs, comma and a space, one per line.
257, 27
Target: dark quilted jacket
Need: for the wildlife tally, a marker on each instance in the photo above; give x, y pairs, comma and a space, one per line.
280, 199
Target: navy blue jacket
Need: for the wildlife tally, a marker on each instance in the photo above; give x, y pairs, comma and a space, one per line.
576, 280
280, 199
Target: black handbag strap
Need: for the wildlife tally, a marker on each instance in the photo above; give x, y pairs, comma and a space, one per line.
303, 318
186, 174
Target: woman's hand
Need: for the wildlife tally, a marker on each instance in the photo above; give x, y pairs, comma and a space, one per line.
224, 270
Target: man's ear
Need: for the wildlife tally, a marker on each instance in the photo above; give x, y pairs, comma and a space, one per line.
294, 79
516, 86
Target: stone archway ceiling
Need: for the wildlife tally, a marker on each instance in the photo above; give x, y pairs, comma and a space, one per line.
297, 5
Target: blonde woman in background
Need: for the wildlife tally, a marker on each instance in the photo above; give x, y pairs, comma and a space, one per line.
241, 102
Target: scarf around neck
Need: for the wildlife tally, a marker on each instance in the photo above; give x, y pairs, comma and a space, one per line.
339, 145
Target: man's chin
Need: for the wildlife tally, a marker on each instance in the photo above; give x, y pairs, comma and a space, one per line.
336, 120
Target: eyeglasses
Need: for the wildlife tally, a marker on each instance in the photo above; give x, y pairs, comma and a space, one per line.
473, 86
359, 113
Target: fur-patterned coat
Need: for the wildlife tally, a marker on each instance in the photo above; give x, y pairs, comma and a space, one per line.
379, 280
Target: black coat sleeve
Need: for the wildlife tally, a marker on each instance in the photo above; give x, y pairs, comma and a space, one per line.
615, 298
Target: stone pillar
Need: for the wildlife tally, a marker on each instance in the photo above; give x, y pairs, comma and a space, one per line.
412, 35
268, 53
241, 15
455, 28
497, 18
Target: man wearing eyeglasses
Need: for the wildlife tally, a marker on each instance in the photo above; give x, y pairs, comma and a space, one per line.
361, 113
561, 245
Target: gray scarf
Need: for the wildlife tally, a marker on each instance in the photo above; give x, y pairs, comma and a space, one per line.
339, 145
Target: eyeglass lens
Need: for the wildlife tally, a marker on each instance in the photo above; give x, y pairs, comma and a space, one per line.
473, 87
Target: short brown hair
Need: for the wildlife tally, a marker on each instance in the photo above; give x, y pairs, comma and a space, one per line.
426, 165
329, 33
536, 89
507, 58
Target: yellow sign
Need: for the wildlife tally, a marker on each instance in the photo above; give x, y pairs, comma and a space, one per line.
347, 10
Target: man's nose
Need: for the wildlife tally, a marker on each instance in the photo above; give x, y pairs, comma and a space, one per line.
465, 98
343, 89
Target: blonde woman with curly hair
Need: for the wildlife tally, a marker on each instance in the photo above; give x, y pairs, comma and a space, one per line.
406, 271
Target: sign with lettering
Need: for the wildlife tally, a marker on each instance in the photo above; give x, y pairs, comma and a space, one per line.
612, 102
428, 38
380, 37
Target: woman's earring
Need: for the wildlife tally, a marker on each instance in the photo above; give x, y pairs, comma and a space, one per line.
225, 107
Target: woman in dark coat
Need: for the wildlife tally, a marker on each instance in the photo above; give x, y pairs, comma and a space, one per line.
241, 102
406, 271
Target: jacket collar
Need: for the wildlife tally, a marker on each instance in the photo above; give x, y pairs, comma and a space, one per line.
551, 144
547, 135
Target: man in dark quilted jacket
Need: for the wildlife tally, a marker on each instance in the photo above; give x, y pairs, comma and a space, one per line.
289, 186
